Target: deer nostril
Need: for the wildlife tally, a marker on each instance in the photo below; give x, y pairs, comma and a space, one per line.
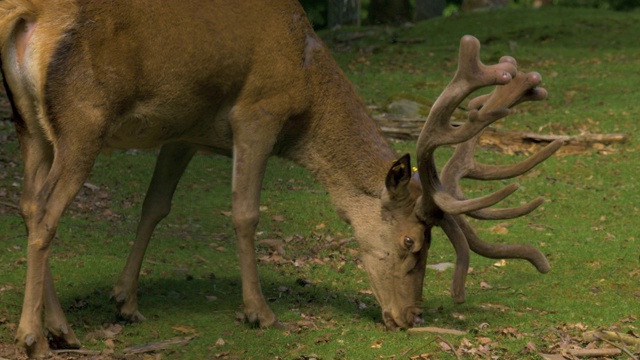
413, 316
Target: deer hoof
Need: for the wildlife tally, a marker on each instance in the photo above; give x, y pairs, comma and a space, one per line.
34, 344
63, 338
118, 296
135, 317
255, 319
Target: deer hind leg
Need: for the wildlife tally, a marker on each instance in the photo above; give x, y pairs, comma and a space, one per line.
171, 164
60, 334
37, 157
52, 179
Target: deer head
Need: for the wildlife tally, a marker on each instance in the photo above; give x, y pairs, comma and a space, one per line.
394, 250
394, 247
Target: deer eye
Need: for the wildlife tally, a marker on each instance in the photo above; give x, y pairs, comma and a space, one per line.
408, 242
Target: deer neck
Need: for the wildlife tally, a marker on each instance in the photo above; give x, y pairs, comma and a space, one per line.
345, 150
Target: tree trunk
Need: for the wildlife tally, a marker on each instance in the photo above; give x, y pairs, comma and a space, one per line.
389, 12
343, 12
540, 3
428, 9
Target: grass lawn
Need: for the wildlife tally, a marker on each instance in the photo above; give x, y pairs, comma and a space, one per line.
190, 282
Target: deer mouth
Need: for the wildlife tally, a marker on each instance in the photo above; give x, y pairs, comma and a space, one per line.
410, 316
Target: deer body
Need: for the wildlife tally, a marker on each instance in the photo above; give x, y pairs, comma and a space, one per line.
243, 80
249, 80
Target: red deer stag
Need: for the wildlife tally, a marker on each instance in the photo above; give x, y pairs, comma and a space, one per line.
249, 80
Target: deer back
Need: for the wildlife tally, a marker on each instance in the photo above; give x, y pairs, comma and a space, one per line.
153, 72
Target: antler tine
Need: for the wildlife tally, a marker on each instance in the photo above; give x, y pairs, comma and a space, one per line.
499, 172
458, 239
463, 165
502, 251
453, 205
463, 238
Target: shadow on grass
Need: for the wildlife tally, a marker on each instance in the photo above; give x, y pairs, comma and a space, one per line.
194, 300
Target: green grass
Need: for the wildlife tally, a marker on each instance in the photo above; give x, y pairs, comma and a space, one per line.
191, 284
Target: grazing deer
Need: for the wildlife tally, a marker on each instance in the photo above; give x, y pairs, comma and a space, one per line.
249, 80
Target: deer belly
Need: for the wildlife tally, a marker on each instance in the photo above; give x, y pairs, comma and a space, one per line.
145, 133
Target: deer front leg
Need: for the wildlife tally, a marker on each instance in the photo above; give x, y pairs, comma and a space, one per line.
47, 193
250, 155
171, 164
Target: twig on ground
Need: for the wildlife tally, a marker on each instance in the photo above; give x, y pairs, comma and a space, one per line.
412, 351
453, 349
9, 204
77, 352
622, 348
156, 346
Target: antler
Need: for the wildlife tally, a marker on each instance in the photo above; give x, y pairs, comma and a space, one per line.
443, 202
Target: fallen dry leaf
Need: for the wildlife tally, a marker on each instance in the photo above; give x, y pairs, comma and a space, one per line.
184, 329
499, 229
500, 263
485, 285
274, 245
446, 347
157, 346
108, 332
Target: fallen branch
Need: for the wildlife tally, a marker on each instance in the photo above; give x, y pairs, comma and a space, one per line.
509, 141
622, 347
435, 330
582, 353
76, 352
157, 346
612, 336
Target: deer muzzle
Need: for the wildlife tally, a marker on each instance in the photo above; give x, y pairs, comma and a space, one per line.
410, 316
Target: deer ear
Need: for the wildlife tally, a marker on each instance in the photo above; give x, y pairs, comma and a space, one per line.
398, 177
